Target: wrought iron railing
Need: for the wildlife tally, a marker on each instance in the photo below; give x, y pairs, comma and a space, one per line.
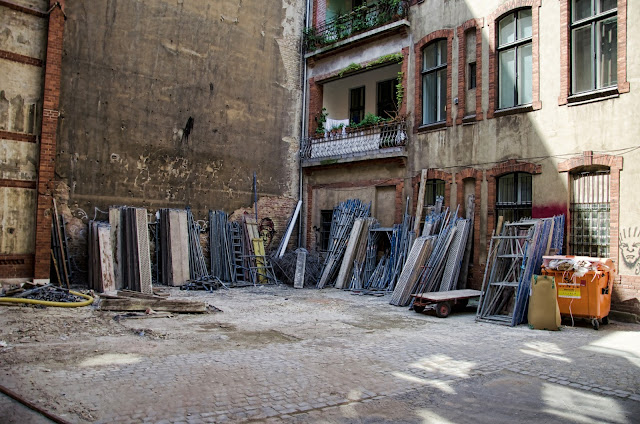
354, 141
361, 19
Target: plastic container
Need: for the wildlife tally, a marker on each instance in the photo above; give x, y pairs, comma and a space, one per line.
587, 296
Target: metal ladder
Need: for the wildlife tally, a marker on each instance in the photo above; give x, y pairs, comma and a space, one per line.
237, 251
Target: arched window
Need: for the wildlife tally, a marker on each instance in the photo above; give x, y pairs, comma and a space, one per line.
515, 59
434, 82
514, 194
433, 189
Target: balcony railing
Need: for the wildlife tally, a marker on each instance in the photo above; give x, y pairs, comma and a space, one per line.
361, 19
357, 141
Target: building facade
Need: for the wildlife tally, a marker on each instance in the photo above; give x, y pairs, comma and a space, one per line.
527, 104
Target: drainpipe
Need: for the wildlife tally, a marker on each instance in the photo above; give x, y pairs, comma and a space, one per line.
303, 120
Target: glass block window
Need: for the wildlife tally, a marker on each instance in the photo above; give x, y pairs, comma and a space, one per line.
589, 210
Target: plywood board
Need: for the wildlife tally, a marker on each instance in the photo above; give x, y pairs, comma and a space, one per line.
107, 279
349, 254
179, 247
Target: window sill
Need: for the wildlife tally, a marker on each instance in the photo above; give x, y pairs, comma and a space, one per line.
469, 119
513, 110
593, 96
432, 127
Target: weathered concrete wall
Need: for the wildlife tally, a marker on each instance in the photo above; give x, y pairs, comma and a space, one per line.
176, 103
23, 46
134, 73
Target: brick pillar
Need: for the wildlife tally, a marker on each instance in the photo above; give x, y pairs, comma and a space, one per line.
46, 165
315, 105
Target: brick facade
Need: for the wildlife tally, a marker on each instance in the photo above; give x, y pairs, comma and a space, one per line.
50, 117
436, 35
474, 25
16, 136
315, 104
565, 50
492, 22
319, 12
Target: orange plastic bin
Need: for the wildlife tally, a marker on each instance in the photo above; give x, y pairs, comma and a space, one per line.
587, 297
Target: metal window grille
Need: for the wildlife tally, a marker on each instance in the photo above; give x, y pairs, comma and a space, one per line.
589, 210
514, 196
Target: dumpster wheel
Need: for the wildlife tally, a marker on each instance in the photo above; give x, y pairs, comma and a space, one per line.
595, 323
605, 320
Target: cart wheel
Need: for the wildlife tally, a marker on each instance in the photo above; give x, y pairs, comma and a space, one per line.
443, 309
605, 320
595, 323
418, 309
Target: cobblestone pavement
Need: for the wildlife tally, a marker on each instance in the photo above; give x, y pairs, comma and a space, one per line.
276, 354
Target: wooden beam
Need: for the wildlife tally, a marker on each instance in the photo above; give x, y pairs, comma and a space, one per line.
420, 207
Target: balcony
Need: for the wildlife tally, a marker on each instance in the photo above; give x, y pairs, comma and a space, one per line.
359, 21
348, 144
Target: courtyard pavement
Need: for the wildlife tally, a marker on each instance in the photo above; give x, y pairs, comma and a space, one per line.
276, 354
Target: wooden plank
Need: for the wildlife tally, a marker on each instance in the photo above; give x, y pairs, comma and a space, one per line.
63, 265
179, 248
448, 295
134, 304
349, 254
115, 216
423, 187
301, 263
107, 279
138, 295
258, 249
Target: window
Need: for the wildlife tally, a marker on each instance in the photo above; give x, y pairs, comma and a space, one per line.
471, 76
434, 82
356, 104
594, 44
513, 200
325, 228
590, 211
515, 66
386, 104
433, 189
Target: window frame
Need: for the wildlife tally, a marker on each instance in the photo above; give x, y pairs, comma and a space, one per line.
434, 187
590, 21
394, 88
518, 205
359, 109
424, 72
514, 45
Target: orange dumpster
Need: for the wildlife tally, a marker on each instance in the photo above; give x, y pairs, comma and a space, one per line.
587, 296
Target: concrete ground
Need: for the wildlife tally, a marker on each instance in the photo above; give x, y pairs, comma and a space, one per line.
276, 354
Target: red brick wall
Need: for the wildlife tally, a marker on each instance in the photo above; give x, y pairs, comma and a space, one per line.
46, 165
319, 12
476, 26
279, 209
565, 50
442, 33
315, 104
491, 22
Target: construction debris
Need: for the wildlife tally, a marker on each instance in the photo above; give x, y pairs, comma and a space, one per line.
286, 267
